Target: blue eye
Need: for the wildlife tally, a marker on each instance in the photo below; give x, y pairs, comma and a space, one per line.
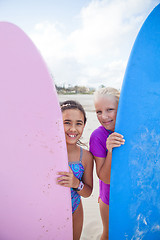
110, 109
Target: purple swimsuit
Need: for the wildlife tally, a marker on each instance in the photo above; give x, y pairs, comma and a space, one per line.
98, 149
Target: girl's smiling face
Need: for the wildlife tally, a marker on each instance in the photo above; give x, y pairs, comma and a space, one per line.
73, 121
106, 109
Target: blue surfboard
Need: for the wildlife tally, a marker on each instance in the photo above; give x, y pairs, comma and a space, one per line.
135, 174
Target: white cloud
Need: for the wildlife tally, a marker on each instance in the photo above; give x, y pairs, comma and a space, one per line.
50, 39
97, 52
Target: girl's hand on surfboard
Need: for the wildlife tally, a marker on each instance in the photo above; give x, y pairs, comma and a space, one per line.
67, 179
114, 140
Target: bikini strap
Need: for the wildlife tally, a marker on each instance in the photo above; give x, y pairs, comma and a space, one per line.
81, 154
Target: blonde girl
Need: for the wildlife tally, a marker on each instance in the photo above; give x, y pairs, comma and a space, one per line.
102, 142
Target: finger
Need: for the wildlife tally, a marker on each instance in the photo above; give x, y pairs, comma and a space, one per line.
112, 145
63, 173
115, 138
62, 183
117, 144
116, 134
61, 178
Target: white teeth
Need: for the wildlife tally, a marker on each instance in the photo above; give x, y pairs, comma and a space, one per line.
72, 136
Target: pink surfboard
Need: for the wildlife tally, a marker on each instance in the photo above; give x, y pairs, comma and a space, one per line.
32, 145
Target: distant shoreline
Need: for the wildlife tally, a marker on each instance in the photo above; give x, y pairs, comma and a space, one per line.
74, 90
74, 93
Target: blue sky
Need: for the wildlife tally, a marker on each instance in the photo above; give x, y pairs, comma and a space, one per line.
26, 14
84, 42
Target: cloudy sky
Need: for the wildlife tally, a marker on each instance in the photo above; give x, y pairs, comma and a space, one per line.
84, 42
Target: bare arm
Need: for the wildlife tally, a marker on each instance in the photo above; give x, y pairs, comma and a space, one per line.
87, 176
103, 165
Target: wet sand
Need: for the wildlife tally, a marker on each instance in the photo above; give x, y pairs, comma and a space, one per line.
92, 227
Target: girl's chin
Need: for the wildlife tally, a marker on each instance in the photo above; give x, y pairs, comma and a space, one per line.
71, 143
106, 126
71, 140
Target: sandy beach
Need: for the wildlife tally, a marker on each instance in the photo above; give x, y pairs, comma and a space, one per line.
92, 227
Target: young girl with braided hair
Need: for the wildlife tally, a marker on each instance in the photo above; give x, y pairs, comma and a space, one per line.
80, 175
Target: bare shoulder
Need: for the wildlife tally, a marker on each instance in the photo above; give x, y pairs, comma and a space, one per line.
87, 153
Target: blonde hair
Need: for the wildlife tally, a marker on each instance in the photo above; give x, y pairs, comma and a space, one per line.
107, 91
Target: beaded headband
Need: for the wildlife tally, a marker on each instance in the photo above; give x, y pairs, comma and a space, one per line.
66, 105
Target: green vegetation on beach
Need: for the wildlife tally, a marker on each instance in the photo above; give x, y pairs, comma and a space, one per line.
74, 90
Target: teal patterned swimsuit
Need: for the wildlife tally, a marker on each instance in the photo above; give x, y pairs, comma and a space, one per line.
78, 171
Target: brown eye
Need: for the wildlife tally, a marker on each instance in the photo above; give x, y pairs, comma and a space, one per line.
99, 112
66, 122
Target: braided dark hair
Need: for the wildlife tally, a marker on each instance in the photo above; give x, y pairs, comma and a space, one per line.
71, 104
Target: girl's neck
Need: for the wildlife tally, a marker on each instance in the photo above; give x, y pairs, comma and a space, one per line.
71, 147
73, 152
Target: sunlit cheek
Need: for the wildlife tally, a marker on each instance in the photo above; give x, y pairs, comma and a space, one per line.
99, 118
114, 116
81, 128
65, 128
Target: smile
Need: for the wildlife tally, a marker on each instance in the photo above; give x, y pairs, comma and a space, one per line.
108, 122
71, 135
